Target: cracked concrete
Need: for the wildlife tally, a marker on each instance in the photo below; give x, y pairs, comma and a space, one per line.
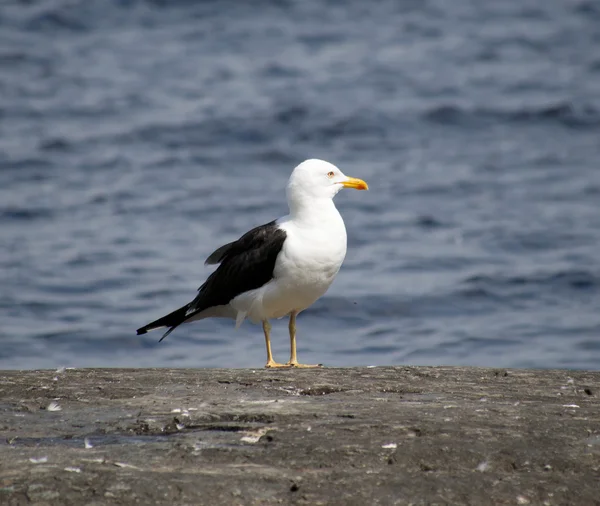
385, 435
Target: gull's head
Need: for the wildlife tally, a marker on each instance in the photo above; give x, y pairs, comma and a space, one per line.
318, 179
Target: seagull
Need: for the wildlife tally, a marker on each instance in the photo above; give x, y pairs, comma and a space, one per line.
280, 268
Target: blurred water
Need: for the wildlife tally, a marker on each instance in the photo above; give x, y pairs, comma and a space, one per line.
137, 136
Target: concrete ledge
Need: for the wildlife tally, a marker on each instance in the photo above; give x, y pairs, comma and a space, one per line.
385, 435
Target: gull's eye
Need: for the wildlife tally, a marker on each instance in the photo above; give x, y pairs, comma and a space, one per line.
330, 174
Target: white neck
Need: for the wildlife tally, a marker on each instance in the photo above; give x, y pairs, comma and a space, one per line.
313, 211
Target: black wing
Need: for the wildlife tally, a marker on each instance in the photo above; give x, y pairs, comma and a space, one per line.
246, 264
252, 239
217, 256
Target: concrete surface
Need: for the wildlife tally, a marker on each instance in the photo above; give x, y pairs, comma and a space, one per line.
385, 435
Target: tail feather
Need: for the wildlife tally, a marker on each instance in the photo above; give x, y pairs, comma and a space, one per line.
172, 320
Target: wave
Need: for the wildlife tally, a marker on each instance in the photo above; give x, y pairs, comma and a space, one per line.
587, 8
475, 295
572, 279
564, 113
24, 214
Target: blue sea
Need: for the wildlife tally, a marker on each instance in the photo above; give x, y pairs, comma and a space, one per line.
138, 136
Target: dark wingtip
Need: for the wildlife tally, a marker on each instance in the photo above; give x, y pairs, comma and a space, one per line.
141, 331
168, 332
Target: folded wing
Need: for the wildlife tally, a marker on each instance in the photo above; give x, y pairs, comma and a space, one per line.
245, 264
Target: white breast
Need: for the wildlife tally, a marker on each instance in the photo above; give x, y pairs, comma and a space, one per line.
307, 265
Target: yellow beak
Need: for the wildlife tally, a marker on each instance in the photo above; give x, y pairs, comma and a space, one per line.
357, 184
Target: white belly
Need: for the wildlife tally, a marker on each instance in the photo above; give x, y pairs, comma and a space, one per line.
305, 269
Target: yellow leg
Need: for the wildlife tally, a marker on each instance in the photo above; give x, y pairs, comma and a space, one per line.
293, 358
270, 362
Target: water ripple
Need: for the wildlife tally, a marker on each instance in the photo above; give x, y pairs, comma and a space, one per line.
137, 136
